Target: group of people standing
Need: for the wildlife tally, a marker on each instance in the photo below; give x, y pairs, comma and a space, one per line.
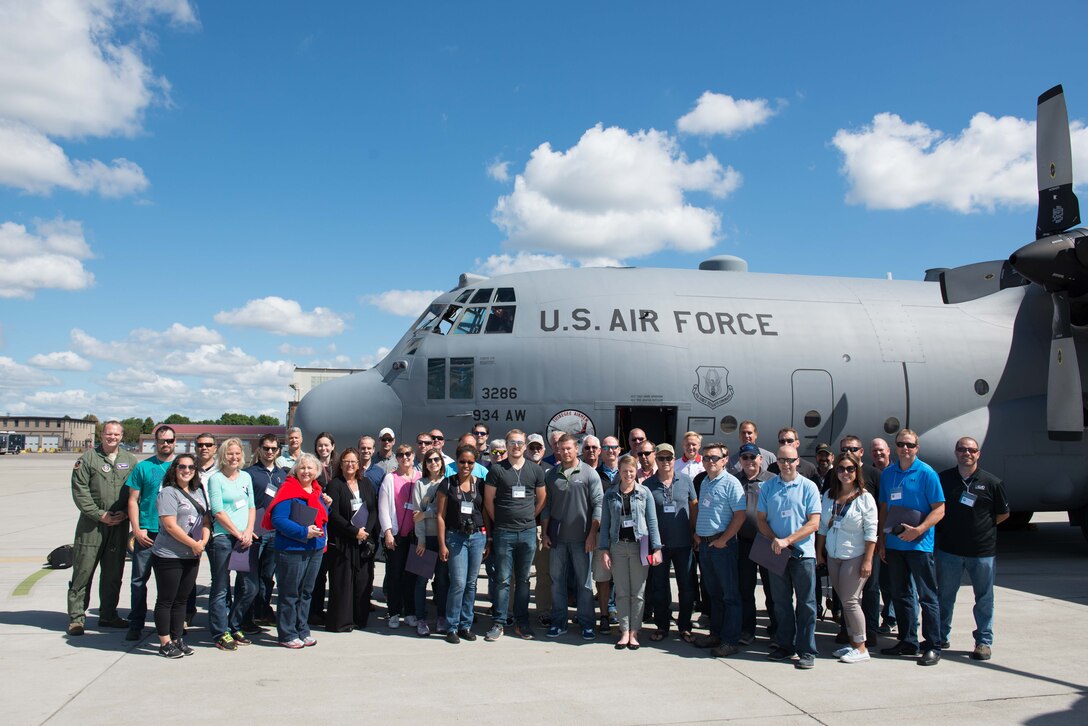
291, 520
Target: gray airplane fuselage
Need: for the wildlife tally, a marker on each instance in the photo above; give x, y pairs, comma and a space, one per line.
827, 356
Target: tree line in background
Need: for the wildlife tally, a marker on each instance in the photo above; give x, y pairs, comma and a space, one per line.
134, 427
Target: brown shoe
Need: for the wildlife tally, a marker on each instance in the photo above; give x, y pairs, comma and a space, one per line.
75, 629
707, 641
981, 652
724, 650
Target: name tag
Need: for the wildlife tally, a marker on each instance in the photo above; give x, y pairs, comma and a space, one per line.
355, 504
896, 495
705, 502
968, 499
466, 507
629, 523
517, 492
836, 522
271, 489
239, 503
670, 509
408, 505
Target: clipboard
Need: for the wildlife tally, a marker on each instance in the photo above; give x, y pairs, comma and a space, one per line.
361, 516
901, 515
243, 560
762, 554
422, 565
302, 514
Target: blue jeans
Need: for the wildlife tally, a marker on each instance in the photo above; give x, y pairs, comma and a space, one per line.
440, 588
297, 571
466, 554
796, 627
221, 619
141, 573
571, 560
514, 552
660, 588
905, 567
720, 575
980, 570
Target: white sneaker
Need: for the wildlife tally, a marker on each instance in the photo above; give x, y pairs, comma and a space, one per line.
854, 656
842, 651
394, 621
410, 621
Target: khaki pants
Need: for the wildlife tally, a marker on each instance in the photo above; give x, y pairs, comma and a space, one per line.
848, 583
629, 577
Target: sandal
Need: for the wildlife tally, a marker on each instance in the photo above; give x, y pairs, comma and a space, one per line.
658, 635
687, 636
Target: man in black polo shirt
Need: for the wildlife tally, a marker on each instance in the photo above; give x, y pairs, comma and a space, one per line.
975, 503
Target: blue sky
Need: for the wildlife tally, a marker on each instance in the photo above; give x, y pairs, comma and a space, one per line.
197, 196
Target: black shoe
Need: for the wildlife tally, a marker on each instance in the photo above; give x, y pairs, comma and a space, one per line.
778, 654
885, 628
945, 645
185, 649
930, 657
604, 627
544, 620
112, 623
134, 633
452, 637
466, 635
170, 651
899, 648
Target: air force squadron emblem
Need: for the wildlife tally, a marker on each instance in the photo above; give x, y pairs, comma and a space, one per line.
712, 387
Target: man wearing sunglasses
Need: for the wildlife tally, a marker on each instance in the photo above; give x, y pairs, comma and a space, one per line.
98, 489
677, 510
789, 437
751, 478
748, 434
911, 504
439, 440
975, 503
143, 512
384, 457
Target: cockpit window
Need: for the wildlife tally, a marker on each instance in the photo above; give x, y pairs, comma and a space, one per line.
501, 319
505, 294
446, 322
483, 295
427, 320
463, 297
471, 322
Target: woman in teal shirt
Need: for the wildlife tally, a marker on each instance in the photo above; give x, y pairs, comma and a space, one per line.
230, 492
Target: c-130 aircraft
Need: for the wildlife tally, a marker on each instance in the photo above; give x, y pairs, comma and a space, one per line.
987, 350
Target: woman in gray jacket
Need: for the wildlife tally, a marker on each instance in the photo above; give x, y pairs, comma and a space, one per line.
629, 542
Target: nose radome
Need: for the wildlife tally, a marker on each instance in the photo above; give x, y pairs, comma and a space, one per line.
348, 407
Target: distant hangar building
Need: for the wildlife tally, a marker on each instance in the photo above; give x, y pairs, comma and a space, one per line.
50, 433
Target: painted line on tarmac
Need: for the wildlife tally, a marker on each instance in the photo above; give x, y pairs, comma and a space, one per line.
24, 587
20, 559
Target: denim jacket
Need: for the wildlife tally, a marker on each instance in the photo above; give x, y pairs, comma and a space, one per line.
643, 512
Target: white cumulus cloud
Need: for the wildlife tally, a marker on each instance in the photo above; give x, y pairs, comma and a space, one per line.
614, 193
718, 113
409, 303
499, 170
16, 375
893, 164
283, 317
141, 342
61, 361
49, 257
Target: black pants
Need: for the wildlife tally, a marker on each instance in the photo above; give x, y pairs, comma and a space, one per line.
351, 579
400, 598
317, 600
746, 581
174, 580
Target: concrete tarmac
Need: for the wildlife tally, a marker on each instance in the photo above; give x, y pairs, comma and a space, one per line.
1039, 672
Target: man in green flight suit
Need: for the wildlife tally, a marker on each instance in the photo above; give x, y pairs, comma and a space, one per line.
98, 479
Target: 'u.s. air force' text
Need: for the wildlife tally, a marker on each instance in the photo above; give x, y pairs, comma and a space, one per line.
638, 320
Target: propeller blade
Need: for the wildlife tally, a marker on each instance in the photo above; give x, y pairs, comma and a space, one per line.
1064, 404
1058, 206
970, 282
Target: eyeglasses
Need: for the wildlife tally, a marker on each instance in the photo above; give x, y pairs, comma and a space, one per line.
439, 438
747, 457
636, 439
611, 447
846, 469
434, 460
186, 467
466, 462
423, 443
712, 458
850, 449
478, 434
645, 453
404, 455
270, 448
496, 452
514, 443
789, 460
787, 441
388, 438
587, 447
906, 445
666, 457
348, 462
205, 445
966, 450
167, 441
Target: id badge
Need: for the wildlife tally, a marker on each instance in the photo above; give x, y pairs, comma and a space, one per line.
517, 492
408, 505
836, 522
670, 508
968, 499
466, 507
355, 504
897, 495
239, 503
705, 502
629, 523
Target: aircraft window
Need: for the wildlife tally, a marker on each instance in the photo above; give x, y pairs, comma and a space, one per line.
483, 295
446, 322
471, 322
501, 319
436, 378
505, 294
982, 387
461, 378
812, 419
412, 347
463, 297
427, 320
728, 425
891, 425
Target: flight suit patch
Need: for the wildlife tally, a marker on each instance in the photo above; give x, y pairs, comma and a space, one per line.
105, 468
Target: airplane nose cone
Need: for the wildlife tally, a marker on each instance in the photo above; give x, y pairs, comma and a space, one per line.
348, 407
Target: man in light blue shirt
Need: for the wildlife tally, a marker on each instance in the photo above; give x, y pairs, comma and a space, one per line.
788, 514
720, 514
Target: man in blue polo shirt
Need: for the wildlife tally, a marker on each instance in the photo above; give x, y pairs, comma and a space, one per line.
911, 504
719, 516
788, 511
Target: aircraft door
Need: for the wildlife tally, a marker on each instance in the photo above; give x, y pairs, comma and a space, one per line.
659, 423
813, 408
